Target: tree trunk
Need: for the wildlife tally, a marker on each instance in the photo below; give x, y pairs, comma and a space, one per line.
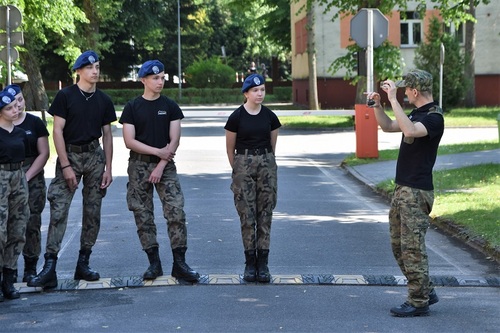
311, 54
33, 90
92, 29
470, 51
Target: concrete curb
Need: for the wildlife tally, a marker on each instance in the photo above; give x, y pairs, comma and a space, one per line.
307, 279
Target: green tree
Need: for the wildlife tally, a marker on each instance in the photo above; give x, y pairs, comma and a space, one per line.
427, 57
267, 27
211, 73
43, 19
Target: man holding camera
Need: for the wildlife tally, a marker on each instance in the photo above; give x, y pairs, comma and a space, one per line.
414, 192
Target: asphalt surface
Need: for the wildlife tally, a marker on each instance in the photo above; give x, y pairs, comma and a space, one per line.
331, 262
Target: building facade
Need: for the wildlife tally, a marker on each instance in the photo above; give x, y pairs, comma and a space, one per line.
332, 38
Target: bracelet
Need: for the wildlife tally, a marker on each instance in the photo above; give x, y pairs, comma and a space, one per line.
66, 166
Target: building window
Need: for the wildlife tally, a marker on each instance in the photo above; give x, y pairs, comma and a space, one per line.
457, 31
301, 36
411, 29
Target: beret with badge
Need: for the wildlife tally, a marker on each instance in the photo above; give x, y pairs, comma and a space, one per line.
6, 98
251, 81
86, 58
151, 67
13, 89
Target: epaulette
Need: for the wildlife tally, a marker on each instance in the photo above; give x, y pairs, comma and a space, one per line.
436, 109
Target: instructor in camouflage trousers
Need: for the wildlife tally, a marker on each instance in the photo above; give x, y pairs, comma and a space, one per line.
82, 115
14, 211
152, 130
251, 136
414, 193
36, 158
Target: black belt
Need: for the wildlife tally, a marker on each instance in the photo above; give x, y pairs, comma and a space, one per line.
82, 148
144, 157
255, 151
10, 166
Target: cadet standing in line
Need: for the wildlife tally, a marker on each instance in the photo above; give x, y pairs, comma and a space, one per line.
251, 135
82, 114
152, 130
414, 193
38, 139
14, 211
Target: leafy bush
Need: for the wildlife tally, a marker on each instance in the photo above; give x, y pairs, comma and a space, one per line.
194, 95
427, 57
210, 73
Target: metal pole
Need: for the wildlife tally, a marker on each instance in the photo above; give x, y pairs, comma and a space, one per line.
369, 53
7, 35
441, 62
179, 47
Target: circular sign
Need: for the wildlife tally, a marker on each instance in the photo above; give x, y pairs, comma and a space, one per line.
4, 56
15, 17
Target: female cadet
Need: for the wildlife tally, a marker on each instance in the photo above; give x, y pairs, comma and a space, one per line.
14, 210
38, 140
251, 135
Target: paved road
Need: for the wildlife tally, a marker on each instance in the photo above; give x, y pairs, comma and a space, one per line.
329, 238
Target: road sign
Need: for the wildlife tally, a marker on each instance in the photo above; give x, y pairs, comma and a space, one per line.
16, 38
4, 56
359, 27
15, 17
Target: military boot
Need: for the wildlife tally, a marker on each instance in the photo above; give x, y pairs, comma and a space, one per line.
250, 274
263, 274
8, 289
47, 278
29, 268
154, 270
180, 269
83, 271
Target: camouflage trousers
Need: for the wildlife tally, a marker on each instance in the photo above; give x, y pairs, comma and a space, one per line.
408, 223
14, 213
140, 202
89, 166
37, 197
255, 188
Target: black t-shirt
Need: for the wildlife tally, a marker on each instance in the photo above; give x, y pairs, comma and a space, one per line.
13, 146
253, 131
34, 128
151, 119
418, 155
85, 117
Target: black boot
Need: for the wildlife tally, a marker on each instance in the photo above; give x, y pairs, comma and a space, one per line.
83, 271
180, 269
29, 268
47, 278
154, 270
9, 277
263, 274
250, 274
